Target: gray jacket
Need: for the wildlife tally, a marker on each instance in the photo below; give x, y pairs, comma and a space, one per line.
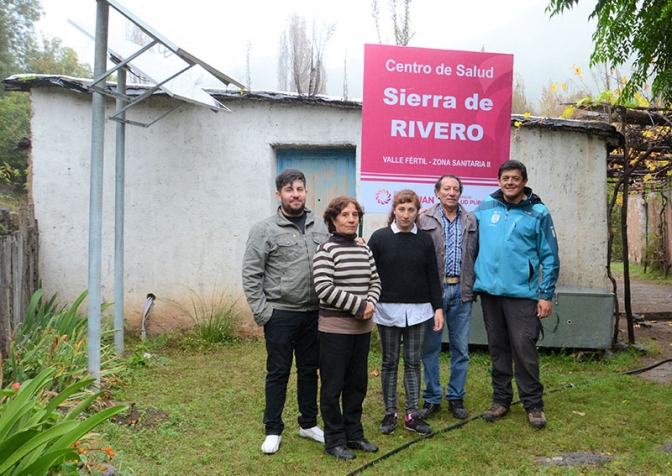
432, 223
278, 265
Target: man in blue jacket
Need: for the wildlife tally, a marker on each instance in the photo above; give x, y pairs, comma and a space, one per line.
516, 239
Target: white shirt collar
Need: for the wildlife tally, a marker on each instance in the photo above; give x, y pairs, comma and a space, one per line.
396, 229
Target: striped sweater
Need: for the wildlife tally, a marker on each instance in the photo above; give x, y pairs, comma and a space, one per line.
345, 280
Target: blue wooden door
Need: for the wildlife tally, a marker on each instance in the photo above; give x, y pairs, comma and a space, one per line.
329, 173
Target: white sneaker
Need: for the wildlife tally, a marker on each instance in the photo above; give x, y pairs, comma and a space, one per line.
313, 433
271, 444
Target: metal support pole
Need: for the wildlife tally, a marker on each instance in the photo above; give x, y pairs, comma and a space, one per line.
119, 183
96, 193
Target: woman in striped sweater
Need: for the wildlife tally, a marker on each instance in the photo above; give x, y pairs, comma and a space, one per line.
347, 283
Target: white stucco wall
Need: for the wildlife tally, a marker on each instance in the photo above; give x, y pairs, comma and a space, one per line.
197, 181
568, 171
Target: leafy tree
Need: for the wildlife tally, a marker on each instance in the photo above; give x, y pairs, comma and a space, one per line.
16, 27
21, 53
638, 30
53, 58
14, 137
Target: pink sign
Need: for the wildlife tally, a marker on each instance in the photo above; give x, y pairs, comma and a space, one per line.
430, 112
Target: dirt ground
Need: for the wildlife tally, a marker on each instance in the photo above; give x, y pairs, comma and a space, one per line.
652, 309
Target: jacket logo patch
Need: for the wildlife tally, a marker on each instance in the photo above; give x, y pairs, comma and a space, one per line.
495, 217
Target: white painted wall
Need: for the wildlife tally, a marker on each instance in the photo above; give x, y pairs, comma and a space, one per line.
568, 170
197, 181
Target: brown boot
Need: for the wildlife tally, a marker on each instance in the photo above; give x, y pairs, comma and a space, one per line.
495, 412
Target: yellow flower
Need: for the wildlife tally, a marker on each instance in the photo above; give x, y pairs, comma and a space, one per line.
554, 87
527, 115
517, 123
568, 112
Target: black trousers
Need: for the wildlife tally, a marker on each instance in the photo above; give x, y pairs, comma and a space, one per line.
343, 376
513, 329
291, 334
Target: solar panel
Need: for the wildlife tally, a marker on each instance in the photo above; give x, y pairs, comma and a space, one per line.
165, 72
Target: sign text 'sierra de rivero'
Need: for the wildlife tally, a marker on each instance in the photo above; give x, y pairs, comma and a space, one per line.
430, 112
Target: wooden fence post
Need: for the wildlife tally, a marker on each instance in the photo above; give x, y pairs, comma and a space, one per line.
19, 273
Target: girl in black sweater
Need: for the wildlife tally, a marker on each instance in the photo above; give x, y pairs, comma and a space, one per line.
411, 295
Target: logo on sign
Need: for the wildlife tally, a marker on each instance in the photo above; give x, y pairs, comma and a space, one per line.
383, 196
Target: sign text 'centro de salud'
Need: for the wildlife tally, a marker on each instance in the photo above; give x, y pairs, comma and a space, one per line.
429, 112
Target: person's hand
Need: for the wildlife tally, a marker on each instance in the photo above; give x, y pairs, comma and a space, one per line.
368, 312
438, 320
544, 308
360, 240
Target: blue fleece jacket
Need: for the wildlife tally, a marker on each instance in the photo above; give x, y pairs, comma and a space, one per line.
514, 241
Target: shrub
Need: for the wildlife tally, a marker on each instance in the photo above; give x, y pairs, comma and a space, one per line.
36, 437
56, 338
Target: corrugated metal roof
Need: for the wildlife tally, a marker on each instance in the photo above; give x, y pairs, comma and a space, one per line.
602, 129
26, 82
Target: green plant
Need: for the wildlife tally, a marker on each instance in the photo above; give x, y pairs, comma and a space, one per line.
215, 408
636, 32
638, 272
215, 318
56, 338
36, 437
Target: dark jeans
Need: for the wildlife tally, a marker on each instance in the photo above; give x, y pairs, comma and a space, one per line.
343, 375
513, 328
289, 334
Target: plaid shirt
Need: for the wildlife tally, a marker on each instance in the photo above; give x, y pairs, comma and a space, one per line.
452, 232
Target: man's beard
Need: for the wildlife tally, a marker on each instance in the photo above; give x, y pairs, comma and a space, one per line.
291, 212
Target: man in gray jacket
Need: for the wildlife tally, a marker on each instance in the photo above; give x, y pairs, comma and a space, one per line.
455, 234
278, 285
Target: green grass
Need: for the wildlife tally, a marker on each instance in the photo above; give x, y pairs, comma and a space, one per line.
637, 272
215, 402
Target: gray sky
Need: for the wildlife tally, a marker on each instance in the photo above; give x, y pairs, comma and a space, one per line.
218, 31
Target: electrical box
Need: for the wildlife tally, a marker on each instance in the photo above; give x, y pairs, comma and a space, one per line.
584, 317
